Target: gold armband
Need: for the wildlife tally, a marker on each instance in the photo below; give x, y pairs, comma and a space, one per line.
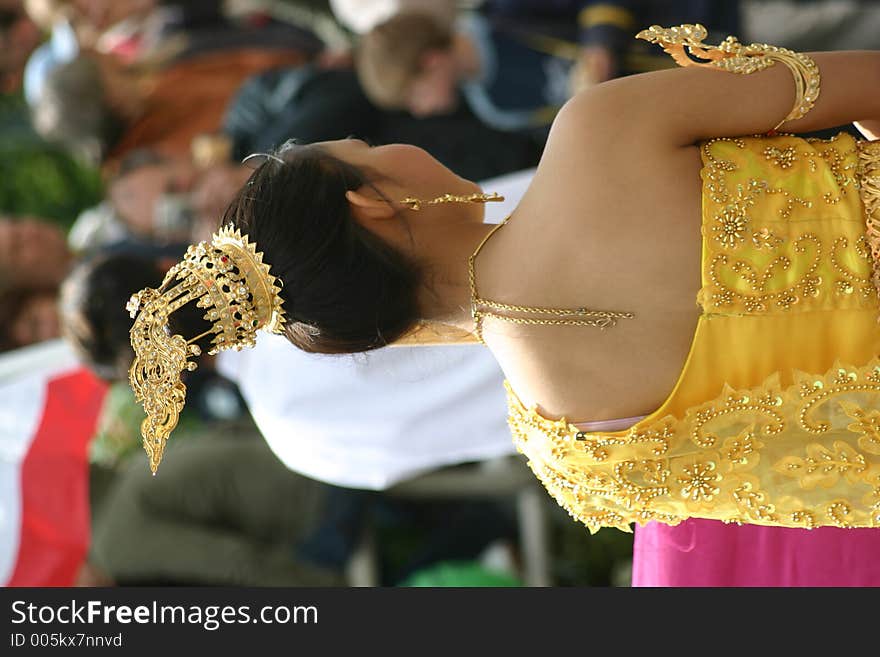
685, 43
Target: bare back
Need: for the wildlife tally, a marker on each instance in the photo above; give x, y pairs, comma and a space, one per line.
627, 239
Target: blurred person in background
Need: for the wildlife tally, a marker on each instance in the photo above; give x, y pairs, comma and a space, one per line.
515, 62
414, 62
315, 104
168, 199
603, 30
228, 513
101, 105
33, 253
31, 316
129, 29
813, 24
361, 16
34, 260
102, 109
19, 37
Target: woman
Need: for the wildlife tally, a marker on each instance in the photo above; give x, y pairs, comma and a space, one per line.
608, 236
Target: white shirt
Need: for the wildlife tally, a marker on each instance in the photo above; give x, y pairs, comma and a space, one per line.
372, 420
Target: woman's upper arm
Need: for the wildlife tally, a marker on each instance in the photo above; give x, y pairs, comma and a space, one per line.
678, 107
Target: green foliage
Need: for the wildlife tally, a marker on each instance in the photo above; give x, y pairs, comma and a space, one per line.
38, 178
460, 573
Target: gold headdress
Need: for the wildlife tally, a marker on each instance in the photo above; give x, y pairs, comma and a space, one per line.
230, 280
730, 55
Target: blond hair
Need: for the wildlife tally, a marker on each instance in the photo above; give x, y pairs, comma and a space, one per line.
390, 55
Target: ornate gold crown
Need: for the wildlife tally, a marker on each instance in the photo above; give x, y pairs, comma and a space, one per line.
230, 280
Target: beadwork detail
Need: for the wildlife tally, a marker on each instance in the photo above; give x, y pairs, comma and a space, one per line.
759, 267
804, 454
705, 464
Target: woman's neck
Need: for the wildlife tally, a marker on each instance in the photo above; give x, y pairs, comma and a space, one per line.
445, 296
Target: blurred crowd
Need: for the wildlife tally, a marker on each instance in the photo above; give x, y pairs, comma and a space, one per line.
123, 124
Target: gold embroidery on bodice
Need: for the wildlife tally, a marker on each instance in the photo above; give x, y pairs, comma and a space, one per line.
786, 262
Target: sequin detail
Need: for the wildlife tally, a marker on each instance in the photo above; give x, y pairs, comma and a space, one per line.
706, 464
771, 244
783, 233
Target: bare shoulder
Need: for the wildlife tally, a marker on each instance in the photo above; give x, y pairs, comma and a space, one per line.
604, 154
611, 222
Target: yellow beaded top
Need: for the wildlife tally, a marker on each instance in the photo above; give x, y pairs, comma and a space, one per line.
775, 419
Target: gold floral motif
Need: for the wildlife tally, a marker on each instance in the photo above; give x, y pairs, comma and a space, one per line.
867, 423
748, 463
804, 519
753, 502
731, 226
824, 467
872, 499
781, 157
742, 449
715, 182
654, 472
634, 494
732, 222
839, 514
599, 447
698, 481
844, 174
766, 239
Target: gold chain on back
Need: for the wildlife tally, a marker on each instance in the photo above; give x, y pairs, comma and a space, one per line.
601, 319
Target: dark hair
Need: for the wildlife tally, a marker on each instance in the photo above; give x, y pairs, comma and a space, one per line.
93, 311
345, 289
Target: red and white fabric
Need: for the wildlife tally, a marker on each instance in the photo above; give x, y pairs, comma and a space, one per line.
49, 407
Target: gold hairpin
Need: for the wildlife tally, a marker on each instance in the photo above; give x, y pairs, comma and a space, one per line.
227, 278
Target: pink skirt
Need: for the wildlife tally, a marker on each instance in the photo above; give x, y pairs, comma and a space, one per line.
710, 553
